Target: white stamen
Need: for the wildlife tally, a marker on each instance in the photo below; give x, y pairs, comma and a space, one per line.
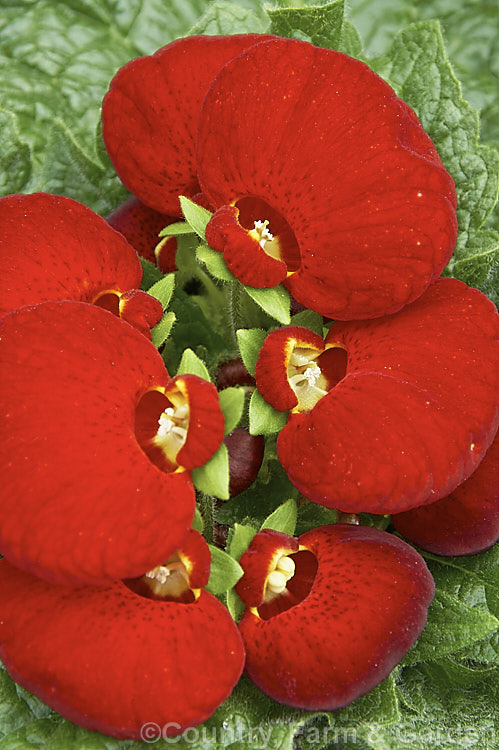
286, 566
276, 582
160, 574
261, 233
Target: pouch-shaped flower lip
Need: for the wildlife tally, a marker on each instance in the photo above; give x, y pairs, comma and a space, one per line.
111, 660
415, 412
150, 116
180, 426
54, 248
332, 171
82, 502
366, 606
465, 522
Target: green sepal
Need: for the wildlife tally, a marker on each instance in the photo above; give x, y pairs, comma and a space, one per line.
176, 229
308, 319
283, 519
196, 216
162, 290
250, 341
162, 330
214, 262
191, 364
150, 274
263, 418
224, 572
213, 477
275, 301
232, 405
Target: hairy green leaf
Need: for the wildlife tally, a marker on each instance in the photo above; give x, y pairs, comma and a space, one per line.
250, 342
283, 518
213, 477
214, 262
319, 24
263, 418
196, 216
224, 572
275, 302
190, 363
232, 405
162, 330
162, 290
225, 17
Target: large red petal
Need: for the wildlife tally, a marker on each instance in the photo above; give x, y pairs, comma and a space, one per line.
367, 606
328, 146
464, 523
54, 248
150, 116
414, 415
113, 661
81, 500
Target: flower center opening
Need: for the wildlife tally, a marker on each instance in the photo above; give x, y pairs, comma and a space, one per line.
289, 583
161, 427
270, 229
168, 582
312, 374
108, 301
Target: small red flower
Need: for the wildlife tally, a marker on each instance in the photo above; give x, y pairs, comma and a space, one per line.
465, 522
388, 414
290, 144
141, 225
150, 115
330, 614
54, 248
82, 501
115, 657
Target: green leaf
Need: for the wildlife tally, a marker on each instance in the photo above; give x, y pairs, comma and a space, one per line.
311, 515
224, 572
263, 418
176, 229
452, 625
421, 74
232, 405
308, 319
225, 17
162, 290
150, 274
161, 330
283, 518
240, 540
275, 301
71, 171
213, 477
197, 521
319, 24
196, 216
190, 363
214, 262
15, 164
250, 342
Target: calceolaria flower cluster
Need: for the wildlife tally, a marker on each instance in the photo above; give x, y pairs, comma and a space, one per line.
309, 175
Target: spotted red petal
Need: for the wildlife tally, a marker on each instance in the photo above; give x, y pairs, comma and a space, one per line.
54, 248
464, 523
367, 604
81, 500
151, 111
273, 375
362, 210
206, 420
261, 559
415, 412
113, 661
141, 226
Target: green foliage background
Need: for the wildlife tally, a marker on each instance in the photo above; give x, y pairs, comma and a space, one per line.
56, 61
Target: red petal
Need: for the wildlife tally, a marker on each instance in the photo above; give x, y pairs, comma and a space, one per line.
140, 310
259, 560
367, 606
271, 371
113, 661
196, 557
140, 225
464, 523
206, 420
54, 248
323, 141
244, 257
413, 416
82, 502
150, 116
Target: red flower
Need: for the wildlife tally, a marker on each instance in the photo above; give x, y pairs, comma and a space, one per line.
55, 249
330, 614
403, 418
112, 660
81, 395
294, 144
141, 225
464, 523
